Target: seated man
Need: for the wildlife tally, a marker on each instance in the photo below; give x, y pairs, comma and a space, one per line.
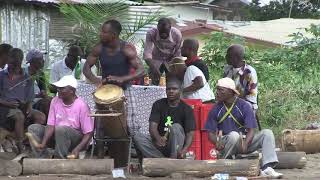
244, 75
69, 124
4, 51
171, 127
35, 63
232, 117
189, 50
71, 65
195, 85
16, 95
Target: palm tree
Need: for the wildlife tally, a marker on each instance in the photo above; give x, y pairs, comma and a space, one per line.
88, 17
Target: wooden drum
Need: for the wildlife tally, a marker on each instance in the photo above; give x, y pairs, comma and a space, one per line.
110, 99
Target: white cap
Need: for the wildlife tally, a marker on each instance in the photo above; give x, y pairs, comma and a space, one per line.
65, 81
228, 83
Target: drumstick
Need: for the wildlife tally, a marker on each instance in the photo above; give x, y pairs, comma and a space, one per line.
32, 140
106, 115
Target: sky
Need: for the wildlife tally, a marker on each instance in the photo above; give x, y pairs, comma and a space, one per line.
263, 1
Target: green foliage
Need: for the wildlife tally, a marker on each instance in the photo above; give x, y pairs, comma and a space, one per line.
281, 9
88, 18
289, 78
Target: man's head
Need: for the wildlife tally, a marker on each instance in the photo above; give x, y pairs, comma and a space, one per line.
66, 87
4, 53
15, 58
226, 89
74, 55
164, 28
177, 67
173, 88
235, 55
110, 31
189, 48
36, 61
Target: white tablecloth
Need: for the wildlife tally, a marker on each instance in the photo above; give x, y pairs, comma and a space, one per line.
144, 96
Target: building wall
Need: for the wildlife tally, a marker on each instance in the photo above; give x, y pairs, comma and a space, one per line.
234, 5
188, 12
24, 26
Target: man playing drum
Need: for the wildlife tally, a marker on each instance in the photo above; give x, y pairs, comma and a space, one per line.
172, 126
116, 58
69, 128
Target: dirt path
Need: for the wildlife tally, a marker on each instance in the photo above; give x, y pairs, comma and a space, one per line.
310, 172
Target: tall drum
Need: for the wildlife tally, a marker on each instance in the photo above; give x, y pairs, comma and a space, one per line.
110, 99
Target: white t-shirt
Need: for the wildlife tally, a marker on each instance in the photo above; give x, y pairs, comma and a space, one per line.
5, 67
60, 69
205, 93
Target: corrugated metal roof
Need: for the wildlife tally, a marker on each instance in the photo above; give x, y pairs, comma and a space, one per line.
83, 1
274, 31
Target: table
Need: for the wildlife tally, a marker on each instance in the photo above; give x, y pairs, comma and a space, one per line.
144, 97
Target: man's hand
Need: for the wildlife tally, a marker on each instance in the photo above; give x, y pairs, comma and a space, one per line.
116, 79
12, 104
182, 153
161, 142
75, 152
41, 146
155, 73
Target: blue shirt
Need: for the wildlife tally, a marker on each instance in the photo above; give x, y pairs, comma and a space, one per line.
243, 113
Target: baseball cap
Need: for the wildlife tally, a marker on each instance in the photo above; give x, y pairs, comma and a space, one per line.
32, 54
65, 81
228, 83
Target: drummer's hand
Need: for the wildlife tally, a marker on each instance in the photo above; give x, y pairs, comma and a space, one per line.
116, 79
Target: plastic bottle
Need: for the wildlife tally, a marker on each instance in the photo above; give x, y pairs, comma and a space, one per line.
162, 80
146, 80
77, 71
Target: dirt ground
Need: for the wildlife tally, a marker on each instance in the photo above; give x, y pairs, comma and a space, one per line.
310, 172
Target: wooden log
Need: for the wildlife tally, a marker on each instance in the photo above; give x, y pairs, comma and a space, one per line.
10, 168
7, 155
301, 140
199, 168
291, 160
67, 166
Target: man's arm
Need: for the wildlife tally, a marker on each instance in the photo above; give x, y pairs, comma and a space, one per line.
83, 143
154, 133
197, 84
147, 53
91, 60
131, 52
188, 142
177, 47
47, 135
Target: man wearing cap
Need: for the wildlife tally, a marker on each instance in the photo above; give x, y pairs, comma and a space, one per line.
16, 95
71, 65
162, 44
195, 85
69, 124
35, 63
233, 117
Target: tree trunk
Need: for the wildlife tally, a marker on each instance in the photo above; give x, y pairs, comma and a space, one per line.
66, 166
199, 168
301, 140
291, 160
10, 168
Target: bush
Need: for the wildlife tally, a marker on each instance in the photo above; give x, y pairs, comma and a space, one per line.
288, 78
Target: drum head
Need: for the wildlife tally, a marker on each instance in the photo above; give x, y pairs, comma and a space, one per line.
108, 94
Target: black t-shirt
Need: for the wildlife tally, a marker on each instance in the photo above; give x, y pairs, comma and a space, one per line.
203, 67
182, 114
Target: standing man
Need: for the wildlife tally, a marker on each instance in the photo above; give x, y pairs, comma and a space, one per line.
116, 58
4, 55
69, 125
195, 85
171, 126
244, 75
162, 44
189, 50
16, 95
233, 117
